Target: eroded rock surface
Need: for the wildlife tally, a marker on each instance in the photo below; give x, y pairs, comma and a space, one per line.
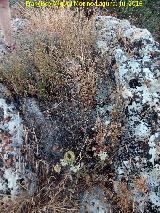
93, 201
134, 57
13, 171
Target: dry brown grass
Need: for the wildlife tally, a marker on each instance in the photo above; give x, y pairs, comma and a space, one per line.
55, 52
102, 131
140, 185
49, 49
124, 197
50, 41
85, 83
74, 30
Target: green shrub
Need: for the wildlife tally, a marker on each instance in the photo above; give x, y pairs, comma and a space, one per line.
147, 16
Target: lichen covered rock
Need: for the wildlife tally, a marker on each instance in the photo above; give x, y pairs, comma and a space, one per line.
94, 201
132, 65
12, 169
136, 58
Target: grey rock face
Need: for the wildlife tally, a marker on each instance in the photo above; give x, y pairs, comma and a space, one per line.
48, 129
93, 201
136, 55
12, 167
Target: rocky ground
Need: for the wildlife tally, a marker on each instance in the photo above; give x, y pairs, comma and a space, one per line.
126, 135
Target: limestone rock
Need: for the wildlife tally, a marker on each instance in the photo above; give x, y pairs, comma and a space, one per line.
12, 167
93, 201
136, 55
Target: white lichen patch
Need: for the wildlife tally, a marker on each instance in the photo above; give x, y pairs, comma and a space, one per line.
153, 183
11, 137
103, 155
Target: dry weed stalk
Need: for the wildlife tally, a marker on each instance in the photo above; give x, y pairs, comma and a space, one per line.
140, 184
74, 31
124, 197
102, 131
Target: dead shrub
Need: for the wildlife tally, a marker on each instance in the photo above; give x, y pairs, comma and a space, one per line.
50, 40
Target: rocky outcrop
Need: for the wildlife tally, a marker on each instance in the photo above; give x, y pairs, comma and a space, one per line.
14, 177
132, 64
134, 58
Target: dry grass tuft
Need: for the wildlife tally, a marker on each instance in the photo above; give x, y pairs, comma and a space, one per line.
124, 197
51, 40
140, 185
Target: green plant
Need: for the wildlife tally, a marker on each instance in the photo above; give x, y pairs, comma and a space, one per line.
146, 16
